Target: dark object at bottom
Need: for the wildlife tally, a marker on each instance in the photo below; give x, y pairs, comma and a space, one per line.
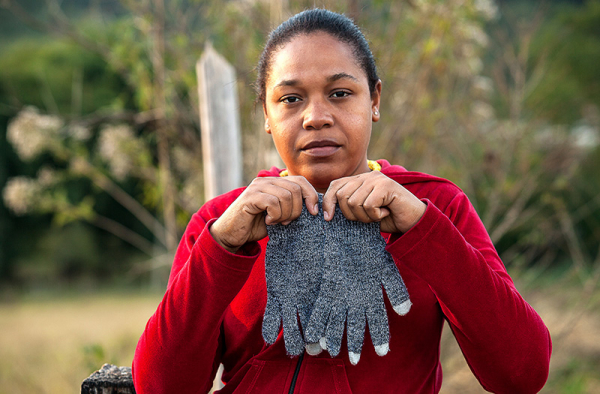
109, 379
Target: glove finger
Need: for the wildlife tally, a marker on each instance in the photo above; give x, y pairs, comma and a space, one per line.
395, 289
335, 330
356, 333
294, 344
313, 348
318, 319
271, 321
379, 327
304, 313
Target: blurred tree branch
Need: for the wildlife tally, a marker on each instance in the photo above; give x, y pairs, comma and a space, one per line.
461, 81
59, 26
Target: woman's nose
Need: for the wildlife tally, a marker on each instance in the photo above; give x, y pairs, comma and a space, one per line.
317, 115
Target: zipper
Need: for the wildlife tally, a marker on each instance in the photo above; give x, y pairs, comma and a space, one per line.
293, 384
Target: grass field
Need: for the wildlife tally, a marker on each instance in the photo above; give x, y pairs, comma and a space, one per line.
50, 344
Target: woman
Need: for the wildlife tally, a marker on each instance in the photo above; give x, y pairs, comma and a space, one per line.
320, 93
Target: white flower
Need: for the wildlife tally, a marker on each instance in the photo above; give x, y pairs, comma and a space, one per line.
46, 176
79, 133
78, 165
423, 5
475, 65
475, 33
31, 133
487, 8
482, 110
118, 146
20, 194
483, 86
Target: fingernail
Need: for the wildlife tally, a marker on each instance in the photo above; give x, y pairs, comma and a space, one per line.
326, 215
316, 209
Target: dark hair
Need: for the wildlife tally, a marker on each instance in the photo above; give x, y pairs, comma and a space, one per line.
310, 21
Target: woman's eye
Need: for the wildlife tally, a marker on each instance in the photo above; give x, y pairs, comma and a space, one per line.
340, 94
290, 99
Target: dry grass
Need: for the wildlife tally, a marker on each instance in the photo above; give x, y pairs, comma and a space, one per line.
51, 346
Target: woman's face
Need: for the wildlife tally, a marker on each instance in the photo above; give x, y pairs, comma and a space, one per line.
319, 109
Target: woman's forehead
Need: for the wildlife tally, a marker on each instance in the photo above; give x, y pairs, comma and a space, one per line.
315, 54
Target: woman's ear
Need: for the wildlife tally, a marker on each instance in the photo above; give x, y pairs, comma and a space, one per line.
267, 126
376, 101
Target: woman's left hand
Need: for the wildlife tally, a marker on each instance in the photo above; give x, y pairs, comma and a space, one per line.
373, 197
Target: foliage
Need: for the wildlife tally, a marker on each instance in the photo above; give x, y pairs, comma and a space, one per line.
531, 68
582, 201
569, 45
470, 92
112, 150
117, 150
58, 76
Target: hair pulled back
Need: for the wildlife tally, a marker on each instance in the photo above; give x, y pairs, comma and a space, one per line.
311, 21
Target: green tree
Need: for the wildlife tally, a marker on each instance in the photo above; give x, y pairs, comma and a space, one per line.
459, 100
569, 46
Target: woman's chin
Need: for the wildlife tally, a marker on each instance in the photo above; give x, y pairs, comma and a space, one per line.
321, 175
321, 183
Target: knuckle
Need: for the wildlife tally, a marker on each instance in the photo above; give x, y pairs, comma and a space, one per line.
339, 193
297, 179
271, 200
296, 188
368, 206
354, 201
335, 183
259, 181
286, 194
253, 185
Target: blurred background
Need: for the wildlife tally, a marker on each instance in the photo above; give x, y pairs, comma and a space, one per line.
101, 158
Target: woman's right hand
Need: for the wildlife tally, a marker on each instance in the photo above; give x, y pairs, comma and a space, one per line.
281, 198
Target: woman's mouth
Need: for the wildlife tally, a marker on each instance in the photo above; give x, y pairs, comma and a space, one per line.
321, 148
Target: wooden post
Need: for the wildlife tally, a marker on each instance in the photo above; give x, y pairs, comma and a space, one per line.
220, 123
109, 379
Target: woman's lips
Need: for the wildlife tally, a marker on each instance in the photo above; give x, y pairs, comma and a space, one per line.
321, 148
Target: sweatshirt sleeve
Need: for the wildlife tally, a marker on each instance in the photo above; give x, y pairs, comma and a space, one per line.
179, 350
503, 339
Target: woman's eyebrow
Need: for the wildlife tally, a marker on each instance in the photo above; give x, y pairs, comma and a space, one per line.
286, 82
332, 78
338, 76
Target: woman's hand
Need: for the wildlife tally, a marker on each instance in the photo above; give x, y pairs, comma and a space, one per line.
373, 197
281, 198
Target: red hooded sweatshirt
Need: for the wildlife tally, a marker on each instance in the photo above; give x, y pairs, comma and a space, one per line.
212, 313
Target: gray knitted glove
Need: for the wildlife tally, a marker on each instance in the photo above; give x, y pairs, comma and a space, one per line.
293, 269
356, 267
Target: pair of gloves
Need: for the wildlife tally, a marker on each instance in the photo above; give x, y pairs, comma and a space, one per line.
329, 275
